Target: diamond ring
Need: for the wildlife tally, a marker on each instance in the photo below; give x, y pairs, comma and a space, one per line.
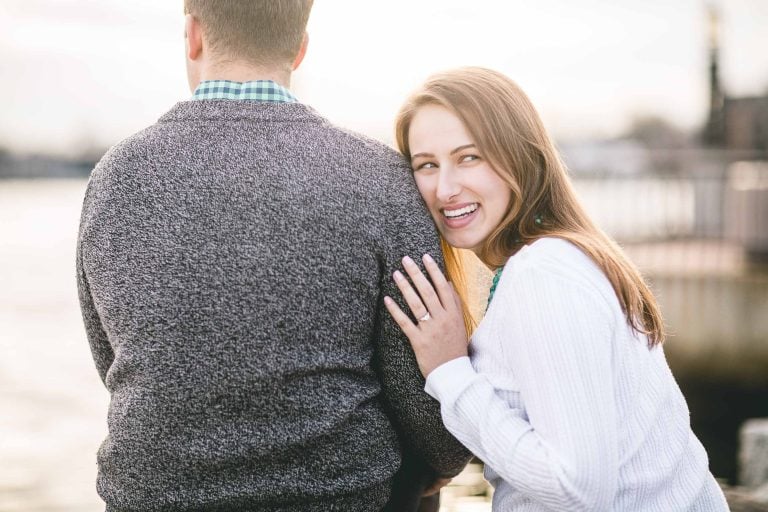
425, 317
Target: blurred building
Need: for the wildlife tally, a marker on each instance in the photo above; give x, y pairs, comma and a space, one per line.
746, 123
733, 123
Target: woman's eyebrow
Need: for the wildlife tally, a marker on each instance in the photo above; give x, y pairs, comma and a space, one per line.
462, 148
453, 152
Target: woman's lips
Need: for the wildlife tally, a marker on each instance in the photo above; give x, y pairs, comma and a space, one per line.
463, 219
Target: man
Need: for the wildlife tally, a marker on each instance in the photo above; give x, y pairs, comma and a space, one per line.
232, 263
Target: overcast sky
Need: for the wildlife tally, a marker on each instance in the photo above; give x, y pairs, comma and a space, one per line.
90, 72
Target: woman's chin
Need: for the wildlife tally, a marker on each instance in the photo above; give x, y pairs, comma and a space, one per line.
460, 242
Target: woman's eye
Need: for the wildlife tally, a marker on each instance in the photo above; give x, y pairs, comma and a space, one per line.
425, 165
469, 158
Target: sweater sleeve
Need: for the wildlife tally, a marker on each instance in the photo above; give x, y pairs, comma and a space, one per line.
409, 230
101, 350
562, 449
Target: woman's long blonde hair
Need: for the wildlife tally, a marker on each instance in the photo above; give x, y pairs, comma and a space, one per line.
510, 135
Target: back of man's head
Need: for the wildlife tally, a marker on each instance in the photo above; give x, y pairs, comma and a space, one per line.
260, 32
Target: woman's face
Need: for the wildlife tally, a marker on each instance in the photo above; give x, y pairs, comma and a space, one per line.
465, 196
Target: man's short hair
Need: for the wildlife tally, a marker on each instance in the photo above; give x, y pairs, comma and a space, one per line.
264, 32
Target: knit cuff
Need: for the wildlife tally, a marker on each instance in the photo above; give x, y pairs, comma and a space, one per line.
446, 382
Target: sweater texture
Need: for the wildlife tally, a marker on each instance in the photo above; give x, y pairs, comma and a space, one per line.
232, 262
566, 404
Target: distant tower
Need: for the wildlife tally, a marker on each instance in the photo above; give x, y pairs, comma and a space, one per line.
714, 133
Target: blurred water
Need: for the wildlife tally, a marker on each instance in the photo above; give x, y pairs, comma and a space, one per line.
52, 403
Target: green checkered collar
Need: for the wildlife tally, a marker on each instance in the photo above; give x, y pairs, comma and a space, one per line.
256, 90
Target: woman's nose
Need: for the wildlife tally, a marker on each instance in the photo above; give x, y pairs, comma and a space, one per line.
447, 186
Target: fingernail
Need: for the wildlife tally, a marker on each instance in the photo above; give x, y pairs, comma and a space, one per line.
387, 300
407, 260
428, 259
397, 275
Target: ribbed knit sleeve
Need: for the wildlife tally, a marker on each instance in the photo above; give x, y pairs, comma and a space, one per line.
554, 349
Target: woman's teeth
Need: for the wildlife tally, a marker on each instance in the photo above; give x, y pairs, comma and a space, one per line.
453, 214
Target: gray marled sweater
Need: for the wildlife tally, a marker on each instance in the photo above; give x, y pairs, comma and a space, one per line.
231, 263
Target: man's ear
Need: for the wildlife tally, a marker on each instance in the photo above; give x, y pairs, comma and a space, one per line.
302, 52
194, 35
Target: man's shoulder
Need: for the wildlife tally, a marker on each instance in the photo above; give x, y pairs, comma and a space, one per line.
366, 145
133, 151
162, 135
127, 149
126, 164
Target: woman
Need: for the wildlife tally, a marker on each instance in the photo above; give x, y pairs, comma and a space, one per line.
564, 390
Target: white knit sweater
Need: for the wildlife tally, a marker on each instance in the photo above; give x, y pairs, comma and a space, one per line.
565, 404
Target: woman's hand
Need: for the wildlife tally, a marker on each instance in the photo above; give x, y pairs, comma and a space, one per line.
439, 336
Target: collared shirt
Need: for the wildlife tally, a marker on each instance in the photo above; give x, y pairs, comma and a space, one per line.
256, 90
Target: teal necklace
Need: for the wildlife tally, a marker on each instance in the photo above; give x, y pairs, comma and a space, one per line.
494, 284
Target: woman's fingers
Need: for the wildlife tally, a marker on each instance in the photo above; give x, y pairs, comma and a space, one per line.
444, 289
424, 287
412, 298
434, 340
405, 323
455, 297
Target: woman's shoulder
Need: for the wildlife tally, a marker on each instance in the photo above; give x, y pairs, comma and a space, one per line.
552, 255
559, 262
